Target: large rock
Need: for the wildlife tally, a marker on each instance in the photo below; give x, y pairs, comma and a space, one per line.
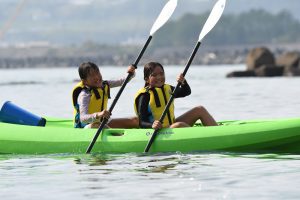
258, 57
292, 71
241, 74
290, 59
291, 63
269, 71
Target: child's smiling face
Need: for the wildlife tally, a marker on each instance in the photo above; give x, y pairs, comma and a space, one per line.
157, 77
94, 79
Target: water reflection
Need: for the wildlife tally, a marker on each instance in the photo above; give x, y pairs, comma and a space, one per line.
93, 160
168, 176
267, 156
145, 163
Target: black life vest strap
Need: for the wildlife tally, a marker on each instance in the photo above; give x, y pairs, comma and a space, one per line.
156, 98
165, 98
95, 90
102, 104
108, 90
75, 96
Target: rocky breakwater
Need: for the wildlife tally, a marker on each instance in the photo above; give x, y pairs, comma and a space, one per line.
261, 62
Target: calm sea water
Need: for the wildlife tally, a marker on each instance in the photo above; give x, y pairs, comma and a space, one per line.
47, 92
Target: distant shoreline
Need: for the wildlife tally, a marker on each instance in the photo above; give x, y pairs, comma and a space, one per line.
47, 56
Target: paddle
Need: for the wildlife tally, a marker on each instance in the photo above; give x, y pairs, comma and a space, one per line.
163, 17
209, 24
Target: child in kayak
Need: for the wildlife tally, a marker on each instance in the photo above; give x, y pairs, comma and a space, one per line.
151, 100
90, 98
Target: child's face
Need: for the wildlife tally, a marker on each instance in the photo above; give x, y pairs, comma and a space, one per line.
157, 78
94, 79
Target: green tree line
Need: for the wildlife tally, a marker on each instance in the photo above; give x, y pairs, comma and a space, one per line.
253, 27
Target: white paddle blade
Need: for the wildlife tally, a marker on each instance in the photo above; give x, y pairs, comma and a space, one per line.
213, 18
164, 15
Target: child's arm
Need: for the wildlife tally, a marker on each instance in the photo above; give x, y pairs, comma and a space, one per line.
83, 101
184, 88
143, 114
115, 83
119, 82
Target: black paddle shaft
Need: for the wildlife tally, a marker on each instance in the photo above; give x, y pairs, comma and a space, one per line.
172, 96
103, 123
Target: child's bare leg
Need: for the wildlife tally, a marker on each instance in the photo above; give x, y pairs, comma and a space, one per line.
96, 125
179, 125
132, 122
199, 112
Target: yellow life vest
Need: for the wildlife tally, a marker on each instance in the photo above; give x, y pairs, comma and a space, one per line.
98, 101
159, 98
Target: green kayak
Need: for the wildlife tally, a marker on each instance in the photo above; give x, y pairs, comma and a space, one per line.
58, 136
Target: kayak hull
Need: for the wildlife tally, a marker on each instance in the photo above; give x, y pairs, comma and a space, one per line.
268, 136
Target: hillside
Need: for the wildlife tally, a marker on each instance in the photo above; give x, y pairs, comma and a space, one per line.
106, 21
252, 27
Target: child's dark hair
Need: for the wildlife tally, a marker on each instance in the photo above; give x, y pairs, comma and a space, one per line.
85, 69
149, 68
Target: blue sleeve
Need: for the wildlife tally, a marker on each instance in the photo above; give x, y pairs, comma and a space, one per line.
143, 112
183, 90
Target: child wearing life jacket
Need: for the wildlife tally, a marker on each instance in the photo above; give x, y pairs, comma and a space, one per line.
90, 98
150, 102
